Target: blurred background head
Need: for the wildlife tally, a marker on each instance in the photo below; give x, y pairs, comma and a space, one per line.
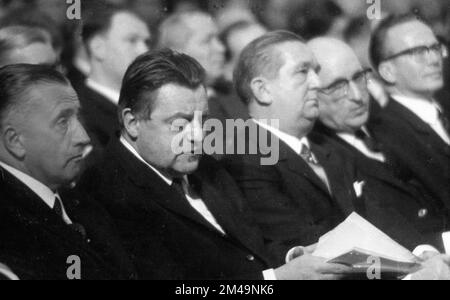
114, 36
20, 44
195, 33
235, 38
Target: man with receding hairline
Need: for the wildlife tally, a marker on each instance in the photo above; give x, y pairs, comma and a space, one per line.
42, 148
391, 204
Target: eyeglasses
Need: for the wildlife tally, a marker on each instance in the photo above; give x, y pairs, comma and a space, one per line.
341, 87
419, 54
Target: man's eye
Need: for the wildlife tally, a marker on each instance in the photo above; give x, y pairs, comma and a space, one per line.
63, 122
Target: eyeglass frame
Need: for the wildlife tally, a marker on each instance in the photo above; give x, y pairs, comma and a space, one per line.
365, 73
443, 51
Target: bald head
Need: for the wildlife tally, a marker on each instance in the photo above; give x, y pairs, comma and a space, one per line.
333, 55
344, 98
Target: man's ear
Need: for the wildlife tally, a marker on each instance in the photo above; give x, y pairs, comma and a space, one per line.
261, 91
97, 47
13, 142
130, 123
387, 72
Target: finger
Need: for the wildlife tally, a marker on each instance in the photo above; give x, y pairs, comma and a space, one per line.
335, 269
329, 277
428, 255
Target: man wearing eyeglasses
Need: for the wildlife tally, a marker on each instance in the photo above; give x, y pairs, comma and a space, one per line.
414, 126
394, 206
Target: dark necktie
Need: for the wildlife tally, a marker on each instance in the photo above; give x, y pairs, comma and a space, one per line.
445, 122
57, 208
177, 184
369, 141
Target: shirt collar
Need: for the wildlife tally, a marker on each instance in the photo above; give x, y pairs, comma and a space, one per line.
138, 156
293, 142
427, 110
109, 93
47, 195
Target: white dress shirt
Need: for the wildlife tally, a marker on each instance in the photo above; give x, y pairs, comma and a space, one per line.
426, 110
196, 202
5, 271
42, 191
359, 144
297, 144
109, 93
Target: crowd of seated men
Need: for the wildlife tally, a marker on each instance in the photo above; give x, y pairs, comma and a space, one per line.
104, 159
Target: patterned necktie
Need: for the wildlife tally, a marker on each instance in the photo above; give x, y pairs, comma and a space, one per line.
306, 154
369, 141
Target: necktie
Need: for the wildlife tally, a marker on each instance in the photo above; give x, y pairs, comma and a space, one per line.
369, 141
57, 208
306, 154
445, 122
177, 184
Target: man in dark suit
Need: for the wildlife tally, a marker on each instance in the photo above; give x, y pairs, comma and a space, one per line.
414, 126
114, 37
396, 207
42, 227
308, 190
180, 215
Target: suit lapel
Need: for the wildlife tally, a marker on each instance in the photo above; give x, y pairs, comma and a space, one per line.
339, 177
31, 210
154, 188
419, 126
222, 211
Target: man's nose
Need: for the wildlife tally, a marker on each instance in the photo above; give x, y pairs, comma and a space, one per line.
314, 80
354, 92
196, 134
80, 136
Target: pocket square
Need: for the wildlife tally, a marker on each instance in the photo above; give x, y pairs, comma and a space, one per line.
358, 187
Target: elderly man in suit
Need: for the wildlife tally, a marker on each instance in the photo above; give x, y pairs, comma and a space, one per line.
308, 190
414, 126
180, 215
42, 148
396, 207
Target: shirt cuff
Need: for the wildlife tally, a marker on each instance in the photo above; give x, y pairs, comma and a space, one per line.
270, 275
424, 248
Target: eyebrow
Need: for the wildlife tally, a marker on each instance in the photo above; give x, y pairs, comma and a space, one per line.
341, 79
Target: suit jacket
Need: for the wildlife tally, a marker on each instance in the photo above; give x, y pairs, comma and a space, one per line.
289, 201
423, 156
99, 118
166, 236
394, 206
36, 243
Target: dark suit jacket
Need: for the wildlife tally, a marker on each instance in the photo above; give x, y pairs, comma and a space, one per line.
423, 156
100, 119
169, 239
290, 203
36, 243
391, 204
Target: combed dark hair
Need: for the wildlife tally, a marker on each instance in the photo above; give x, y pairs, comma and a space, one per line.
17, 79
377, 49
98, 16
257, 59
151, 71
17, 37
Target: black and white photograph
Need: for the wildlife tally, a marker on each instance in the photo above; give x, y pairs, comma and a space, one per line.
222, 146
